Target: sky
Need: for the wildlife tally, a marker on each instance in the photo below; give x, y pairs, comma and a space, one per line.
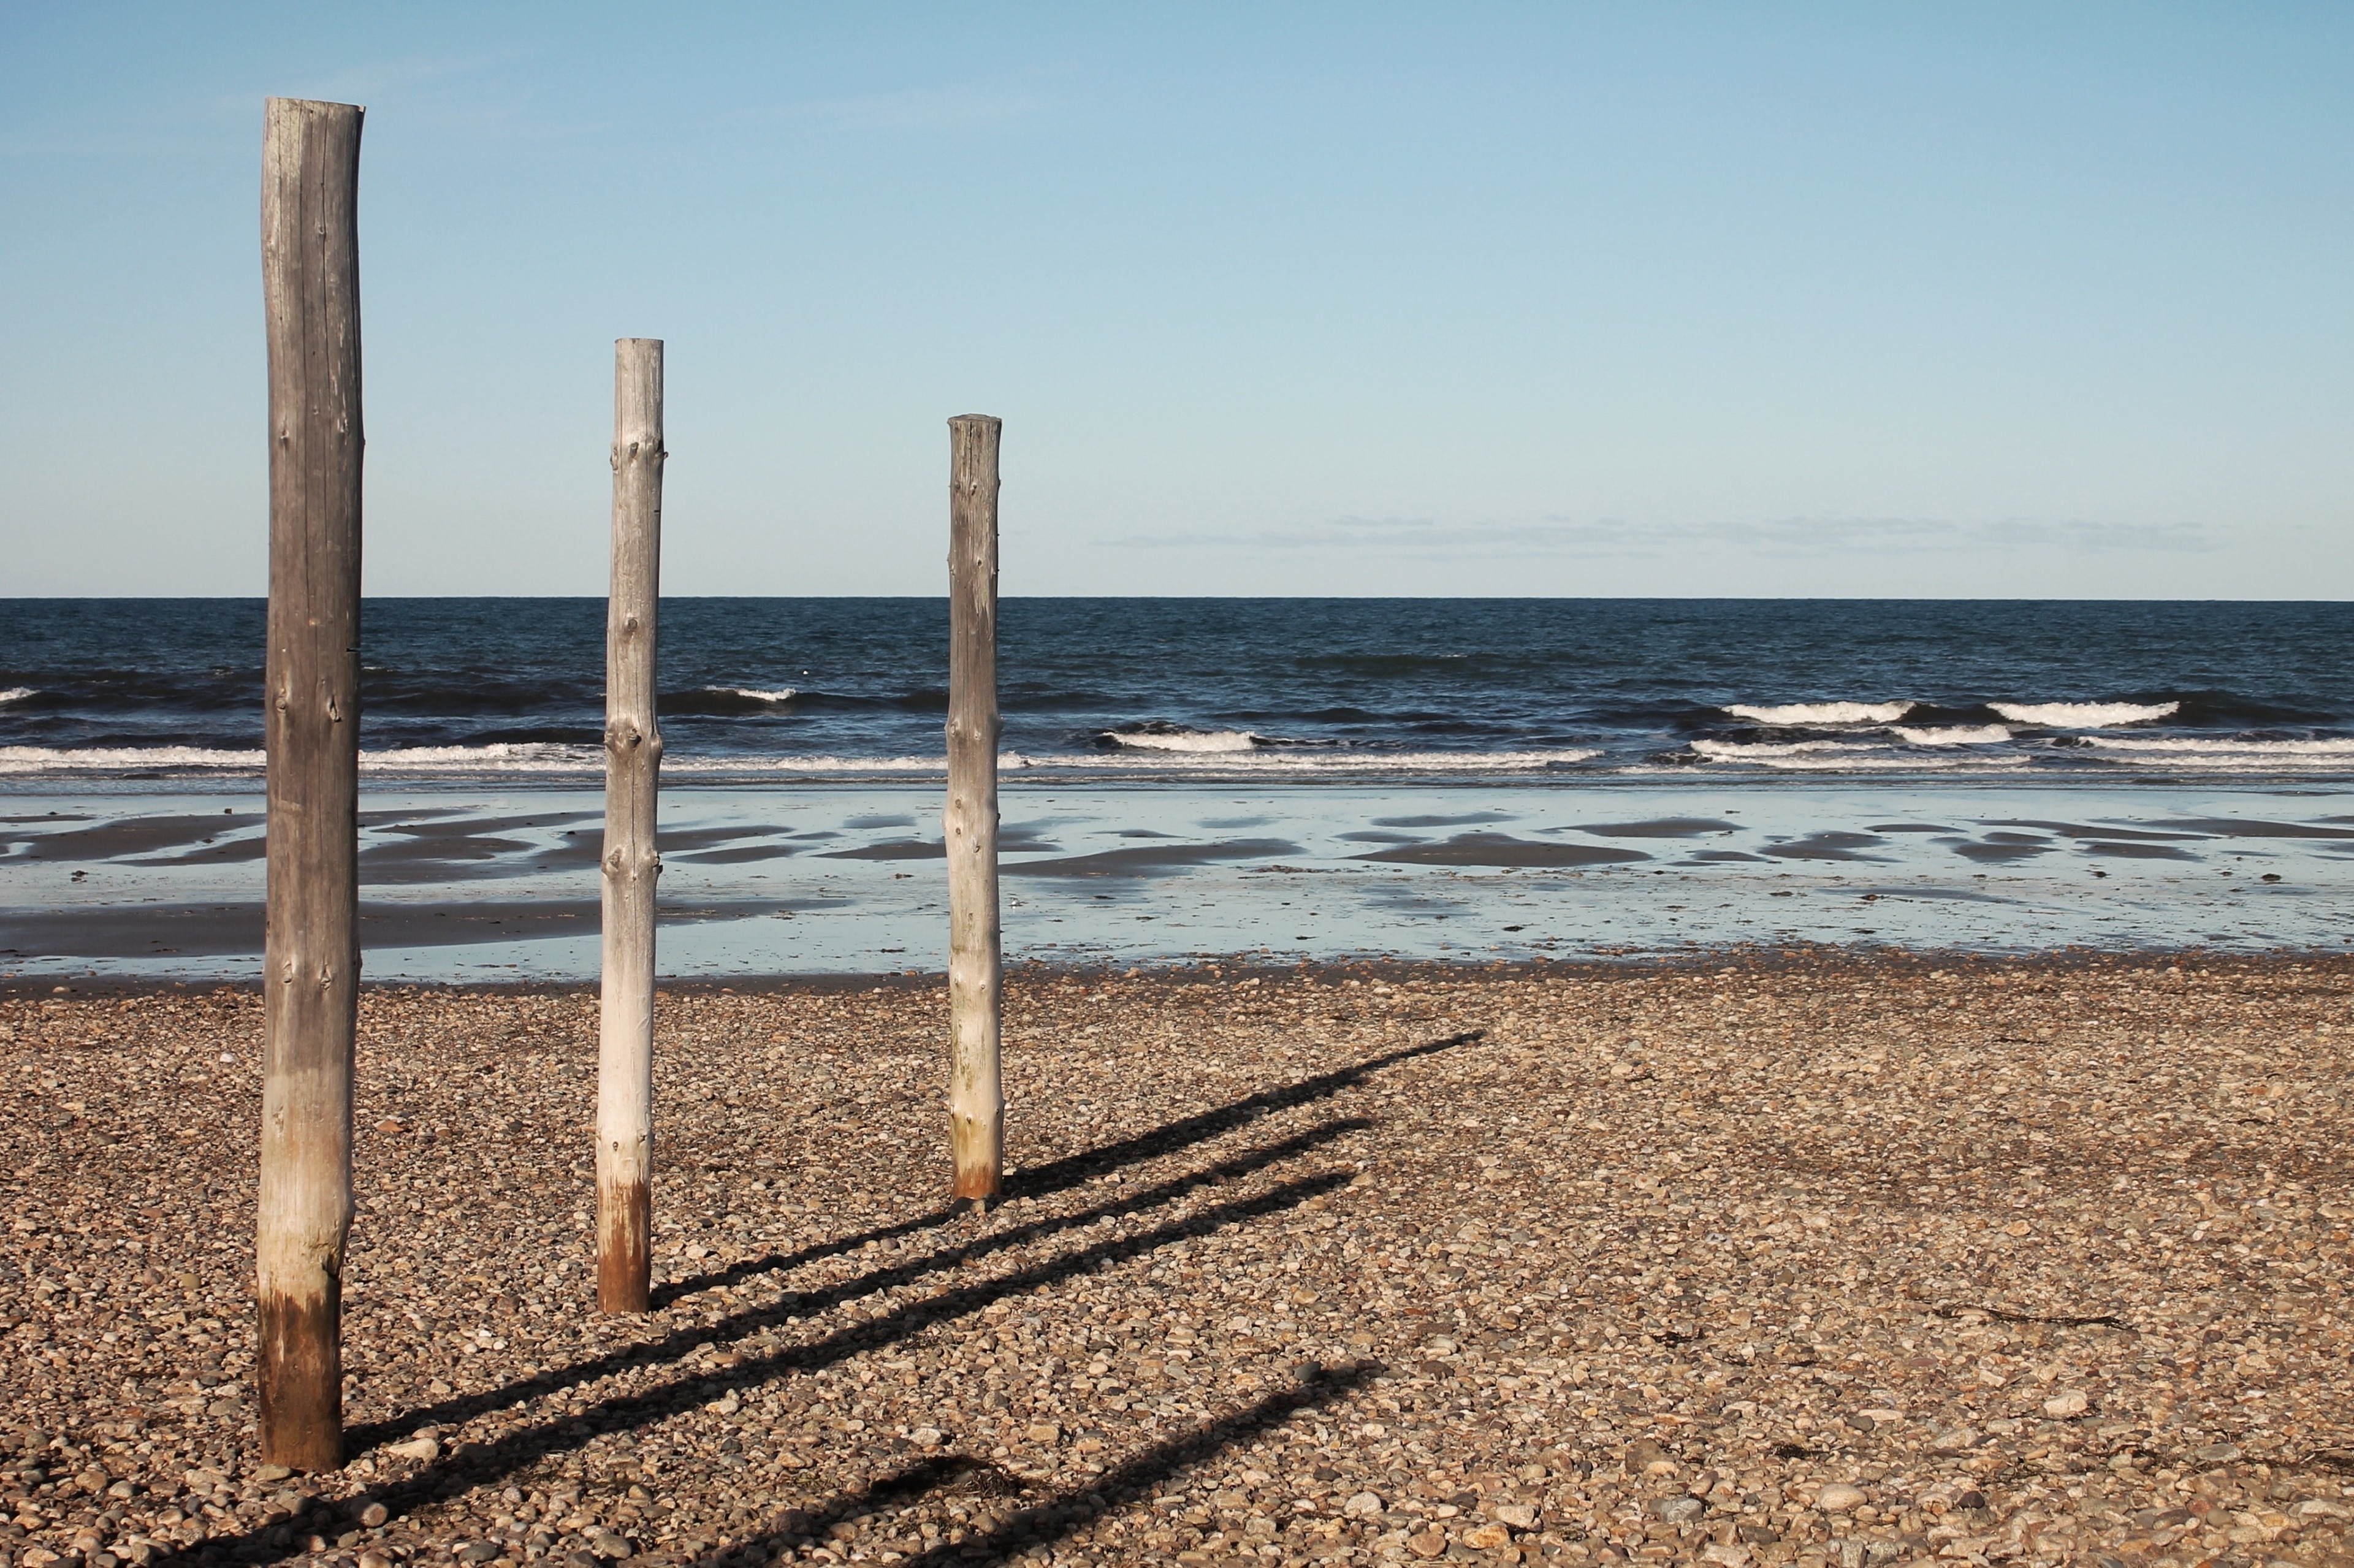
1986, 300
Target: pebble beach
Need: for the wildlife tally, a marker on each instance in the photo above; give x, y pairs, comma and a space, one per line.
1792, 1257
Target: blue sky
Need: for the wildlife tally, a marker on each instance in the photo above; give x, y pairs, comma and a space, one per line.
2011, 300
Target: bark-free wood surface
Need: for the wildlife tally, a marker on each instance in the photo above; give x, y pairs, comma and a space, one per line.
976, 1097
311, 297
625, 1045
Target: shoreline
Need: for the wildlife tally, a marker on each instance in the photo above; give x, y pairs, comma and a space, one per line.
1896, 962
1566, 778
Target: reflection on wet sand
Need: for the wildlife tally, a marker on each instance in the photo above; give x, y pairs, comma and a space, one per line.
849, 879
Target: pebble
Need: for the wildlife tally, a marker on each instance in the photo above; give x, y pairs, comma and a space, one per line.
1838, 1498
1853, 1228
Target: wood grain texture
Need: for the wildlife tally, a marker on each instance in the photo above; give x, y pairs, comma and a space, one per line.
976, 1092
309, 269
631, 865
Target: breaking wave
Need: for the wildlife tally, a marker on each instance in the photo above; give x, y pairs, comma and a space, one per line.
2083, 715
126, 758
1823, 713
1310, 761
552, 760
1744, 751
1176, 737
2255, 756
15, 694
1840, 757
1955, 734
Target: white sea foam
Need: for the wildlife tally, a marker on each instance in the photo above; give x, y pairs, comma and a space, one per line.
1217, 740
1956, 734
123, 758
781, 694
1836, 757
15, 694
504, 758
1890, 762
2252, 755
1324, 761
1738, 751
1319, 761
2082, 715
499, 756
816, 766
1824, 713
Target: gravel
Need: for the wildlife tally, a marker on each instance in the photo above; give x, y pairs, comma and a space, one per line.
1819, 1258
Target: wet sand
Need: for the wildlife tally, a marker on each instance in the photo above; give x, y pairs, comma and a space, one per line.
468, 884
1826, 1261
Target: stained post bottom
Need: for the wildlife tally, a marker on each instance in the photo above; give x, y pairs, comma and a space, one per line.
978, 1147
300, 1368
624, 1238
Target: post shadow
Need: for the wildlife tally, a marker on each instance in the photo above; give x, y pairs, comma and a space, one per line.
805, 1304
481, 1463
477, 1465
1057, 1514
1072, 1170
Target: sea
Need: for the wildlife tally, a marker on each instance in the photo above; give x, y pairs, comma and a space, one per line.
1342, 690
1211, 781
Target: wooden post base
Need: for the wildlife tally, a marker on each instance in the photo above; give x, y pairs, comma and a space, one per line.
300, 1372
625, 1223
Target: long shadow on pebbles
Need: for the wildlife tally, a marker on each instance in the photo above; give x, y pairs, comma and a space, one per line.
473, 1465
478, 1464
1048, 1519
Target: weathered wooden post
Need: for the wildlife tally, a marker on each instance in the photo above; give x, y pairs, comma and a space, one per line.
310, 305
625, 1032
976, 1092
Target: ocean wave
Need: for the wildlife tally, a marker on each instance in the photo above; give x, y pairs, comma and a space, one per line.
2254, 755
1170, 737
497, 757
1309, 761
15, 694
546, 759
1955, 734
1890, 762
1837, 756
1260, 761
1748, 751
2083, 715
120, 759
818, 766
727, 702
1823, 713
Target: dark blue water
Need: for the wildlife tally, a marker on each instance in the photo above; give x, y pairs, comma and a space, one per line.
1313, 688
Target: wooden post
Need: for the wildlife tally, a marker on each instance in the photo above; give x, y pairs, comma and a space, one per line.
311, 304
976, 1093
625, 1033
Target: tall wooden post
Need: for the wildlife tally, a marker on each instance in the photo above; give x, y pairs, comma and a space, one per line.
311, 304
625, 1034
976, 1092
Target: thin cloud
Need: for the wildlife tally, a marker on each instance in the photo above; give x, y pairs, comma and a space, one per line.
1786, 536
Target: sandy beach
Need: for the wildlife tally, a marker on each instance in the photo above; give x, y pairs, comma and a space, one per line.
1815, 1259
